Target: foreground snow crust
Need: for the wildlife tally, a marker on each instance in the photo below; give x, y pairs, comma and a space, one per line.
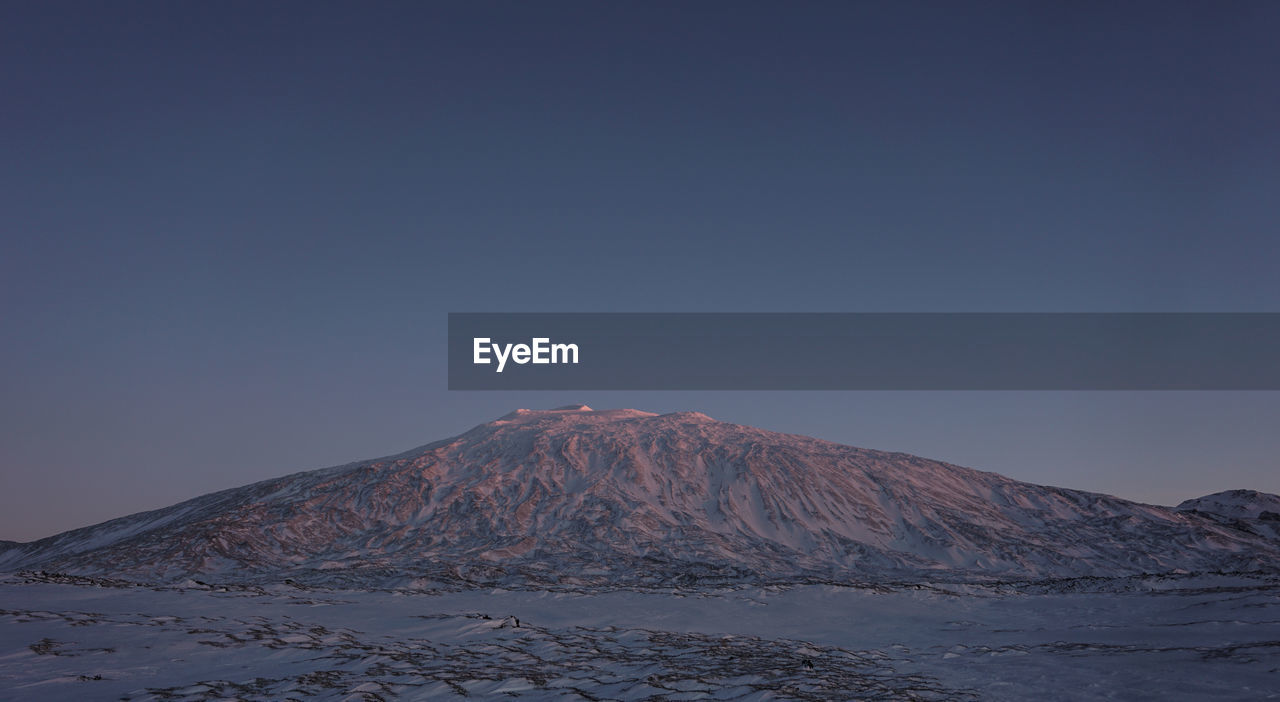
1171, 638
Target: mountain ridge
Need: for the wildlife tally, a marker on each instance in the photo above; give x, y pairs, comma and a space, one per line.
613, 496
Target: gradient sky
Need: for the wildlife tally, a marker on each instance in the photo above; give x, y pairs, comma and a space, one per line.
230, 232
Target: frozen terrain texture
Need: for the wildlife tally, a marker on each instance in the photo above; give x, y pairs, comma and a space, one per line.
1173, 638
624, 497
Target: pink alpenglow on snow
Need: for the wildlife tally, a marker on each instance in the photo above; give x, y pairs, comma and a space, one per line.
617, 497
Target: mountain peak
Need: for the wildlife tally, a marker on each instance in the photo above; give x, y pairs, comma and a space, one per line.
572, 417
571, 413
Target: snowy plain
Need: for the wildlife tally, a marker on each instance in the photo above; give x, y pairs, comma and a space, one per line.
1167, 638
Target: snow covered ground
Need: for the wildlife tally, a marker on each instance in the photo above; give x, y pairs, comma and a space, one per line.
576, 554
1189, 637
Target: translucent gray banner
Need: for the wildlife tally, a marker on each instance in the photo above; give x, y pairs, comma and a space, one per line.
942, 351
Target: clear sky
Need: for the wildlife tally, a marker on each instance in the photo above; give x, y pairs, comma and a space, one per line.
230, 231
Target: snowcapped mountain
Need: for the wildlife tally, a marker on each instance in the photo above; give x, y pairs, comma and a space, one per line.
1247, 511
1237, 504
576, 495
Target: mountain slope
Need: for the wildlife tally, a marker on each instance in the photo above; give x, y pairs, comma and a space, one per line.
624, 496
1237, 504
1247, 511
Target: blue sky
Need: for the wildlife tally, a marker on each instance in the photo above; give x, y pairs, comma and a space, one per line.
231, 231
